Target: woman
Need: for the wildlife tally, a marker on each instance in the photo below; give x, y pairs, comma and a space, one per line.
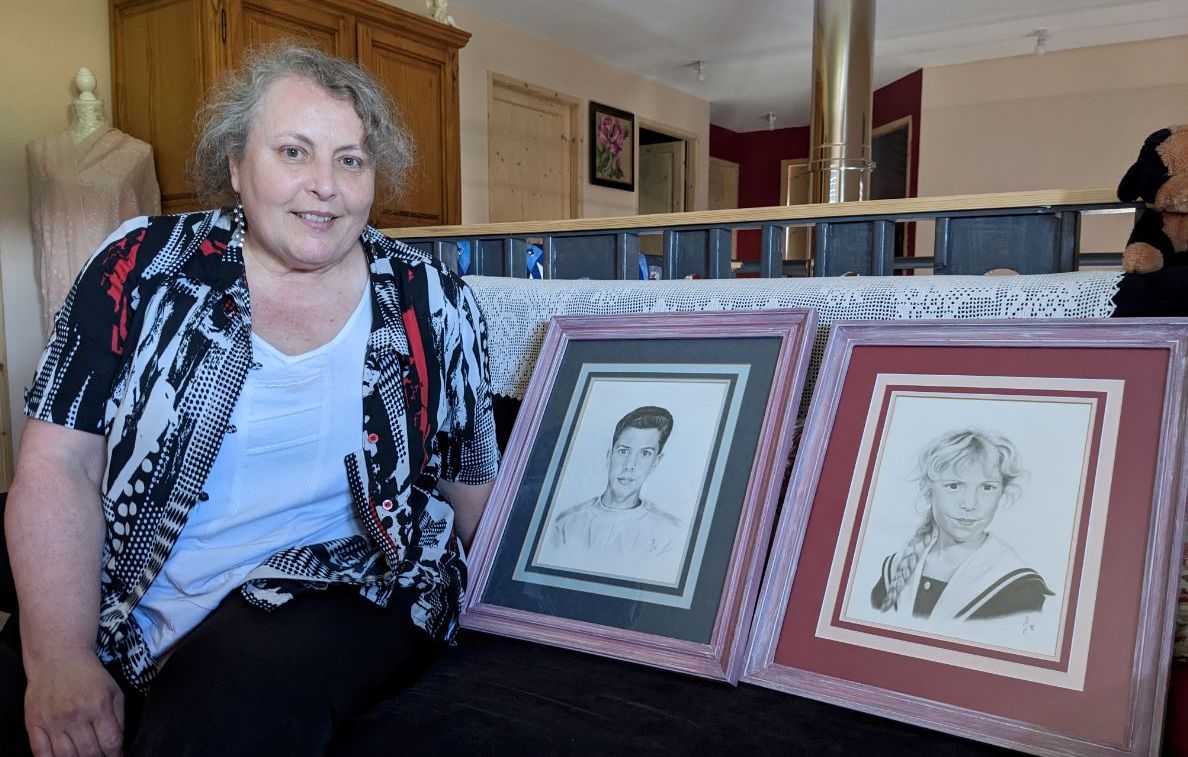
953, 568
260, 434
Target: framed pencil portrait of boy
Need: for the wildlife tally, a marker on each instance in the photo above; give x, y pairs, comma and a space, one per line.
981, 532
632, 512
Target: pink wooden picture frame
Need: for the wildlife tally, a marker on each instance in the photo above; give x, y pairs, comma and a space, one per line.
1085, 495
671, 582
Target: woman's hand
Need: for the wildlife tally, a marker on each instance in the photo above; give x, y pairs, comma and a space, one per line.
73, 707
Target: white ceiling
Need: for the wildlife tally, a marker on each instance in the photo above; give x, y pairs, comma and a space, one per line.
758, 53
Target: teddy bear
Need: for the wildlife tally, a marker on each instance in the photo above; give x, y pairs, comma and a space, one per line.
1159, 177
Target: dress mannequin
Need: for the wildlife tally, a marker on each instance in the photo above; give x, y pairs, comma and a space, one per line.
83, 182
88, 109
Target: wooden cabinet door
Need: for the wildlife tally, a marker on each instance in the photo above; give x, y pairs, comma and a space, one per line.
423, 79
165, 53
259, 22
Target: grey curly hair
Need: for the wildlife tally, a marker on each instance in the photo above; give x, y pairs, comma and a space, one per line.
223, 122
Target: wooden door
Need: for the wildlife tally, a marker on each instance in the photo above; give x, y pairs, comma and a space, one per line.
259, 22
723, 184
794, 190
165, 53
533, 153
423, 79
662, 178
723, 191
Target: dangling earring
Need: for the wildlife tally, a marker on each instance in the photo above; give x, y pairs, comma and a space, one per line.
240, 225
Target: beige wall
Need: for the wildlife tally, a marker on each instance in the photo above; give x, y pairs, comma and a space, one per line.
45, 42
507, 50
1066, 120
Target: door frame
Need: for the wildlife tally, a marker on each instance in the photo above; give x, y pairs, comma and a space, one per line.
691, 141
577, 143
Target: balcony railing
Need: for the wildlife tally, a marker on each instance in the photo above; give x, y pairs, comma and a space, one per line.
1026, 232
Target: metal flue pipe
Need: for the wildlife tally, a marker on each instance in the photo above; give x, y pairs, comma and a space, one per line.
843, 61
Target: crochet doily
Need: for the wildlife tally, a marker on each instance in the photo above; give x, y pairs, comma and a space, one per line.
518, 310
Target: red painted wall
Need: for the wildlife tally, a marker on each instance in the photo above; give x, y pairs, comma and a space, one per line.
758, 153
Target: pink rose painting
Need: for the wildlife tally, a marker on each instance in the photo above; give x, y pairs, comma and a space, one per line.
611, 157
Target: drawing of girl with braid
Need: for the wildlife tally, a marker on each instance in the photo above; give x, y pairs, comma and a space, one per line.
953, 568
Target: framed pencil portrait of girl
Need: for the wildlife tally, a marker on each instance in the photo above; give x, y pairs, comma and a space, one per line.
981, 531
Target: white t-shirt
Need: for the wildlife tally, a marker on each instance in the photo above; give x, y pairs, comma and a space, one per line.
278, 481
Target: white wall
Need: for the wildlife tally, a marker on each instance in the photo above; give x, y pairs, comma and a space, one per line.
1072, 119
45, 42
502, 49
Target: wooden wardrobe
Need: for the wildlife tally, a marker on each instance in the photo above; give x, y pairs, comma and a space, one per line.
166, 53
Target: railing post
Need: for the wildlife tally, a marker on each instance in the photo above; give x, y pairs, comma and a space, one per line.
447, 252
515, 257
550, 256
1068, 237
940, 247
626, 256
478, 265
882, 248
821, 239
771, 252
668, 257
720, 251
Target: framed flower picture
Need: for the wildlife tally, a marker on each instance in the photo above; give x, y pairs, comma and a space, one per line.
982, 532
632, 511
612, 147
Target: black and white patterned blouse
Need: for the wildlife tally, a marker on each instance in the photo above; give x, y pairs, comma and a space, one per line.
151, 349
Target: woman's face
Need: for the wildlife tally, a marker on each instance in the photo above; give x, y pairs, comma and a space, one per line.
964, 499
305, 181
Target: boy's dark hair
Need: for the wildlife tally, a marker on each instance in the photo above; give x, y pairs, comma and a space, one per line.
648, 416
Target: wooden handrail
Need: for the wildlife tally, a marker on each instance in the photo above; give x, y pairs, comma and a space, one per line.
777, 213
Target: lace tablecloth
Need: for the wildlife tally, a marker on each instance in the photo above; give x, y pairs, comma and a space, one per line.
518, 310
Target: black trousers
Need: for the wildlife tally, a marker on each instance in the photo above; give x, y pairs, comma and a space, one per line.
250, 682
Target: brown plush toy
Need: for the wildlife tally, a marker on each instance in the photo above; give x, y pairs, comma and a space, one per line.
1159, 178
